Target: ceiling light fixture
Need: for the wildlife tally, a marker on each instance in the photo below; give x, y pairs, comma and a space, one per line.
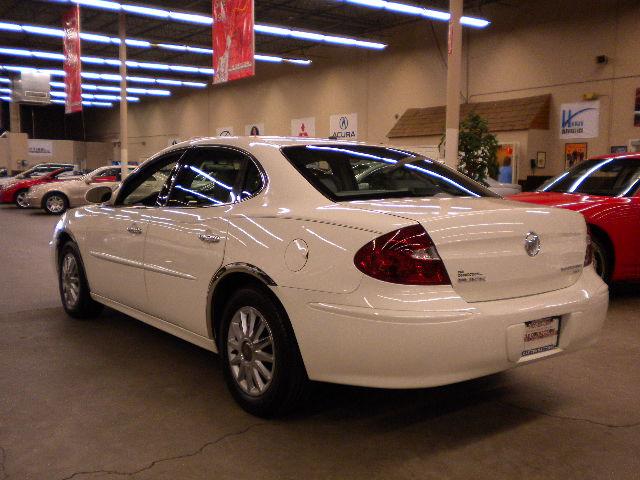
198, 19
112, 62
429, 13
109, 77
92, 37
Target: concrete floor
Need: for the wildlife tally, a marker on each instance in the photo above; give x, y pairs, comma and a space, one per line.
112, 398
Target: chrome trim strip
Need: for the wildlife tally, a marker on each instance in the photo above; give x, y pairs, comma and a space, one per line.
167, 271
144, 266
115, 259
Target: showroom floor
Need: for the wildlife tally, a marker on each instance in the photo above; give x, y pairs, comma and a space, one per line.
111, 398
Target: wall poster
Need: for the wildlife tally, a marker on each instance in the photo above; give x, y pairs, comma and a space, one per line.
506, 156
254, 129
303, 127
344, 126
580, 120
233, 40
224, 132
574, 153
40, 148
636, 112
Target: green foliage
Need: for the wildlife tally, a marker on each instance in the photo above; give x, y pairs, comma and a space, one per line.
477, 149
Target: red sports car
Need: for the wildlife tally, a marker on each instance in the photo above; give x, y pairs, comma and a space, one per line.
606, 190
16, 191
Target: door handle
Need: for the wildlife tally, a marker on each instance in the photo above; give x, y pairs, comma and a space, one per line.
209, 238
135, 229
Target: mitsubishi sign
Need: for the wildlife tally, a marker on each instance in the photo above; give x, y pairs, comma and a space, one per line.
344, 126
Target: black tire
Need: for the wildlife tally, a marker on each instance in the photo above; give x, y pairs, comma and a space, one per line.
59, 207
289, 382
602, 261
19, 198
80, 305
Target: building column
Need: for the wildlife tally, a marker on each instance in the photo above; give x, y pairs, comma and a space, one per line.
454, 74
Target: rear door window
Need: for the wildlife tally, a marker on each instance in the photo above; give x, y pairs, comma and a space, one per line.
208, 176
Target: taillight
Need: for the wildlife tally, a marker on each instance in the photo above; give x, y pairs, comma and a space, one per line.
588, 256
407, 256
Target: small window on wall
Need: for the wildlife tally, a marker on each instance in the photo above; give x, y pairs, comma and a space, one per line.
209, 177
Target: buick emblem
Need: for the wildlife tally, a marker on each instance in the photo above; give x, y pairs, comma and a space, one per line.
532, 244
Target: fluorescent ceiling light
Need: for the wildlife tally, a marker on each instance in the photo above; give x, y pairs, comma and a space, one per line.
198, 19
317, 37
5, 98
92, 37
106, 77
113, 62
106, 88
418, 11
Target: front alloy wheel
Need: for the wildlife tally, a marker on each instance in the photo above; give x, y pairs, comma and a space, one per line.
250, 351
74, 288
70, 281
21, 199
55, 204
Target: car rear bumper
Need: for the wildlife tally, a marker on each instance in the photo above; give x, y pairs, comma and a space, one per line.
423, 347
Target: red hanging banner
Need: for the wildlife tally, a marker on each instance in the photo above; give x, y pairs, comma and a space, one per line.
72, 67
233, 40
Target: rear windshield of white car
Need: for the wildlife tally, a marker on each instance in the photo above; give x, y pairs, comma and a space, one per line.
611, 177
356, 172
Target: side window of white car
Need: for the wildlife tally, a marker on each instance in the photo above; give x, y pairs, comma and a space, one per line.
147, 185
208, 177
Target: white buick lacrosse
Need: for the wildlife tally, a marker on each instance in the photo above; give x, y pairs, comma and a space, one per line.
301, 259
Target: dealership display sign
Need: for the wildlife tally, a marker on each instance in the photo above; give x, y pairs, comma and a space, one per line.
224, 132
580, 120
72, 67
40, 148
303, 127
254, 129
233, 40
344, 126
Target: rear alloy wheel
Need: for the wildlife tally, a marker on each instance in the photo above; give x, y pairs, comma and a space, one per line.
261, 361
601, 259
55, 204
21, 199
74, 289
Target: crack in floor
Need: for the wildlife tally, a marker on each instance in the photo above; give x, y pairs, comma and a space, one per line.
563, 417
167, 459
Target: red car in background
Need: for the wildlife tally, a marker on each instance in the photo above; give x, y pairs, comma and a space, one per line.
606, 190
16, 191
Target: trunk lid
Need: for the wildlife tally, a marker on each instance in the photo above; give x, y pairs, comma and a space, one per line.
482, 243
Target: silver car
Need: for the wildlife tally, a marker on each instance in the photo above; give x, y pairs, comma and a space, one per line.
56, 198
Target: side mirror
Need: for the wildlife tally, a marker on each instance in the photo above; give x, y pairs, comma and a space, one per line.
99, 194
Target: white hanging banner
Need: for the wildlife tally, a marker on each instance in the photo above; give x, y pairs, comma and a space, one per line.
344, 126
580, 120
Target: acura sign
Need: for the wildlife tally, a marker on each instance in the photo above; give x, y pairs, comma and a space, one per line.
344, 126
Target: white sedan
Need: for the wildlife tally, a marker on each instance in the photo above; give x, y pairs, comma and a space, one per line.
270, 252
